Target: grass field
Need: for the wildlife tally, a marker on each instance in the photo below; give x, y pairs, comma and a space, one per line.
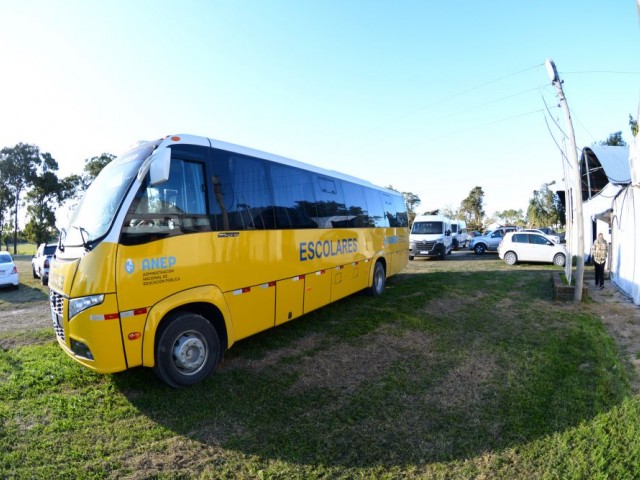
463, 369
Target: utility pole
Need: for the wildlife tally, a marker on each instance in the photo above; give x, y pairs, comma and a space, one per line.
577, 187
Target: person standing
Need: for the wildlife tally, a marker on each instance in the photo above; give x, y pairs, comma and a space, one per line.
599, 254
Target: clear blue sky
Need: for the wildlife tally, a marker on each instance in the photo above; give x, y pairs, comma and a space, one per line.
430, 97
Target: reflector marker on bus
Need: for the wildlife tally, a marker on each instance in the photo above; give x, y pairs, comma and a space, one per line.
134, 312
339, 267
299, 277
240, 291
267, 285
106, 316
320, 272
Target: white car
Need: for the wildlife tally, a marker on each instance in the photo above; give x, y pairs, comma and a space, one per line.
41, 260
531, 247
551, 236
8, 271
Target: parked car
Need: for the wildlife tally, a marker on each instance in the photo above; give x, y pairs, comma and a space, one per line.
430, 236
41, 260
8, 271
531, 247
551, 236
489, 241
551, 231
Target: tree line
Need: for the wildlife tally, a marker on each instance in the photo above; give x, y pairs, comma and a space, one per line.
29, 179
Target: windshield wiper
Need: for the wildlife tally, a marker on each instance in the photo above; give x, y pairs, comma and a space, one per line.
63, 234
82, 231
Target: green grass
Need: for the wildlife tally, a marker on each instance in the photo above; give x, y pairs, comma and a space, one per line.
461, 370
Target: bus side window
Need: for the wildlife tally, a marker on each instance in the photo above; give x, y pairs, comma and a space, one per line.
294, 200
376, 210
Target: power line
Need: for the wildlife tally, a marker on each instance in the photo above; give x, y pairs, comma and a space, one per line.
450, 97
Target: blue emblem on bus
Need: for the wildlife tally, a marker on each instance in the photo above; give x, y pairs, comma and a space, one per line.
129, 266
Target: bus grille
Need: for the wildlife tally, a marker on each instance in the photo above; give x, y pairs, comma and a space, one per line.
57, 309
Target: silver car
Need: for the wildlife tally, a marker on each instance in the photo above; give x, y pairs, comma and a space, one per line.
489, 241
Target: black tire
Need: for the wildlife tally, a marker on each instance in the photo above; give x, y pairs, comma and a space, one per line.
45, 280
443, 253
187, 350
33, 269
379, 280
479, 249
456, 245
410, 257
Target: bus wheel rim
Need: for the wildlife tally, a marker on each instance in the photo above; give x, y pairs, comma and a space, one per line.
189, 352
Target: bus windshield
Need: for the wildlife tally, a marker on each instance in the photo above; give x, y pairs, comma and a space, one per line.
94, 215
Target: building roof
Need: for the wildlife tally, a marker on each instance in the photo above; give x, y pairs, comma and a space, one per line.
603, 164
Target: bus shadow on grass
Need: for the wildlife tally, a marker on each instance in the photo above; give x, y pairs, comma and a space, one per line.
424, 374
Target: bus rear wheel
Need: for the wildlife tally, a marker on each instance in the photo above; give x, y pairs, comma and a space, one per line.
379, 281
187, 350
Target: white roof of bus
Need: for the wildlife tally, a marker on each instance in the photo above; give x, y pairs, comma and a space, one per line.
205, 141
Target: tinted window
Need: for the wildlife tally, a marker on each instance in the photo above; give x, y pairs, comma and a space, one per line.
330, 203
50, 249
537, 239
295, 204
520, 238
4, 258
376, 211
355, 202
252, 205
400, 211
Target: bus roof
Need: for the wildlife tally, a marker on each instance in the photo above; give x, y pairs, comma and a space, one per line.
210, 142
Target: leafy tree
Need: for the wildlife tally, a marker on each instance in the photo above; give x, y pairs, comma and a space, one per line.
5, 203
450, 212
545, 208
18, 166
412, 201
614, 140
512, 217
46, 193
471, 209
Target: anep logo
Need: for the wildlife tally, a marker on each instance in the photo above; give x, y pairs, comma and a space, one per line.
129, 266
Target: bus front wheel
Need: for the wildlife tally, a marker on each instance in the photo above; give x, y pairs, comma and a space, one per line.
379, 280
187, 351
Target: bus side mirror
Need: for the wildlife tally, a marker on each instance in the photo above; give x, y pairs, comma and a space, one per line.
160, 166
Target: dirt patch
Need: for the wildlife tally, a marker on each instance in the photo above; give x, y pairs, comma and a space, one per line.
24, 317
344, 368
464, 385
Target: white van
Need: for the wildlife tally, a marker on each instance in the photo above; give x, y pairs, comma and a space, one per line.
459, 234
430, 237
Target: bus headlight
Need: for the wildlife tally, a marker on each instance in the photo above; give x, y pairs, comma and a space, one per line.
77, 305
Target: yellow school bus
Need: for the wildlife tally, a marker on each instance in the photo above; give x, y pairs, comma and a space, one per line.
185, 245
